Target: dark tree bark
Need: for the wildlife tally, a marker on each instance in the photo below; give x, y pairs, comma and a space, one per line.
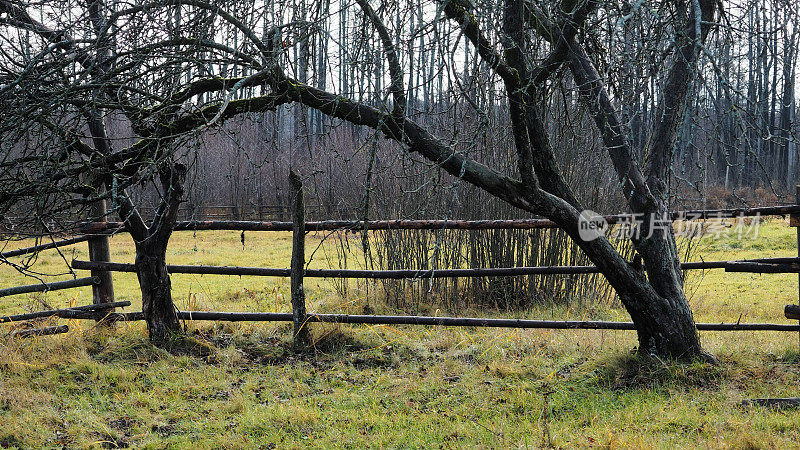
154, 282
787, 104
151, 249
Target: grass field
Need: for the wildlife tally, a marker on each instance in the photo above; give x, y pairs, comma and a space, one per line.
240, 386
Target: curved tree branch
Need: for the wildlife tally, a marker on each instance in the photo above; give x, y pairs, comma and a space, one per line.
395, 72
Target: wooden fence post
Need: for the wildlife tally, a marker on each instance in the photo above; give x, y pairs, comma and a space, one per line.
100, 251
301, 335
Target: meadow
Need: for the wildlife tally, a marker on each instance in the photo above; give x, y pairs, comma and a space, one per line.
242, 386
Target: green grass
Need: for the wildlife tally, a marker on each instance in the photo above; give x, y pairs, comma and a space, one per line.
241, 385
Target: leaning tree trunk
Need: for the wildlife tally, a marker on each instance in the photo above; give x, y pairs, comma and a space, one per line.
157, 306
669, 328
151, 250
651, 293
656, 301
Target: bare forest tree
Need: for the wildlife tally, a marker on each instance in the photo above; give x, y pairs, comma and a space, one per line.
113, 100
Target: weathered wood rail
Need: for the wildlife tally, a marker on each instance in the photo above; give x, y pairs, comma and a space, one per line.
46, 246
767, 265
372, 319
516, 224
45, 331
60, 312
46, 287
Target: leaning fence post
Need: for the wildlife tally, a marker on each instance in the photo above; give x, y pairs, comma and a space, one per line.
301, 335
99, 251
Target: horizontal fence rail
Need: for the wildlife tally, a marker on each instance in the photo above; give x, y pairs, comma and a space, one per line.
429, 320
46, 287
47, 246
761, 267
522, 224
57, 312
783, 265
46, 331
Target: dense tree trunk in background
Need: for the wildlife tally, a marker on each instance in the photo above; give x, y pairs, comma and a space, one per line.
790, 42
302, 59
321, 70
774, 157
726, 158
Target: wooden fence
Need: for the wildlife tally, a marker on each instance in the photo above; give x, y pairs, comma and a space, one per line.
96, 234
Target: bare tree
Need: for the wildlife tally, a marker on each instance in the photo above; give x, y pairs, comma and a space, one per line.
91, 66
